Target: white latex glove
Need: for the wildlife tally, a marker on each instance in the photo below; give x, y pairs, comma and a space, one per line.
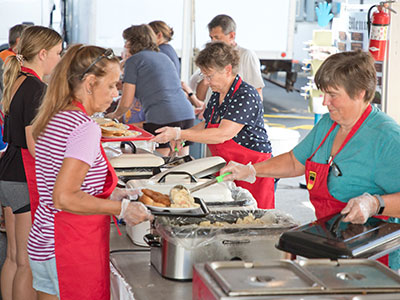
239, 172
134, 212
119, 194
166, 134
360, 208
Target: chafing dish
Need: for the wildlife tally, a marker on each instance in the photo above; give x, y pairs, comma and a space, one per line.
178, 243
283, 279
319, 239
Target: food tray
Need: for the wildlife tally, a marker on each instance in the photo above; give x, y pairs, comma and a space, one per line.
238, 278
144, 136
202, 211
353, 275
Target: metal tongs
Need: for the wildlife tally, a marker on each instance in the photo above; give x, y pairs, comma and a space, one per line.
174, 155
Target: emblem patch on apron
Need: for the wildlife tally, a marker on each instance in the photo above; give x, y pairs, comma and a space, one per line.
311, 179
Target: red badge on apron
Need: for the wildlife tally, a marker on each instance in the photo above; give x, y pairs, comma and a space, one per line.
317, 175
263, 190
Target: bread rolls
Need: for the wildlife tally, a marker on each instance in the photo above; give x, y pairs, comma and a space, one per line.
154, 198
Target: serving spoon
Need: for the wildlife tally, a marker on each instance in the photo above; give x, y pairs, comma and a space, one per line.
219, 178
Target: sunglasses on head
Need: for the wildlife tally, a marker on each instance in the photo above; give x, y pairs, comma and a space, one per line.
109, 54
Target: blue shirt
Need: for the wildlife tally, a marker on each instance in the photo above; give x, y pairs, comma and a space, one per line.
158, 87
244, 107
370, 161
171, 53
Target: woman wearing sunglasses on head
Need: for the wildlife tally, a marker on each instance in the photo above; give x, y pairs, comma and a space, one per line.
69, 240
351, 157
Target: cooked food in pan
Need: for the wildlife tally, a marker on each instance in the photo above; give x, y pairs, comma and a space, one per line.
182, 198
247, 220
179, 200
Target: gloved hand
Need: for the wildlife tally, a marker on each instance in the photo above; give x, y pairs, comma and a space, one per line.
119, 194
167, 134
134, 212
323, 12
239, 172
360, 208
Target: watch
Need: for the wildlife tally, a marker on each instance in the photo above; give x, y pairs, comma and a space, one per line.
190, 94
381, 204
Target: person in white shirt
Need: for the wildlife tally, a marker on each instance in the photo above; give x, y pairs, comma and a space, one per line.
223, 28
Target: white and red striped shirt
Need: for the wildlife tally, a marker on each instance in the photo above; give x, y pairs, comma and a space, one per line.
68, 134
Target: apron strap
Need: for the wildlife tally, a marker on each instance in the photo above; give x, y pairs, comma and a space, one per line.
354, 129
30, 71
237, 85
349, 135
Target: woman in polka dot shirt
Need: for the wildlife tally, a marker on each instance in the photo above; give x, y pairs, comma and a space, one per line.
233, 125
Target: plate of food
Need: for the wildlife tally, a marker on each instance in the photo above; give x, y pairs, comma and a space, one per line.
108, 123
115, 132
118, 132
161, 202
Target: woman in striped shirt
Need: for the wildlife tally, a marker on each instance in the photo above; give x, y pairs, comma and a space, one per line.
69, 240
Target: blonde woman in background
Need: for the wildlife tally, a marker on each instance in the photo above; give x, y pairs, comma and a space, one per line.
38, 52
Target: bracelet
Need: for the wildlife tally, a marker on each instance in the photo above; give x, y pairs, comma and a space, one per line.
190, 94
381, 204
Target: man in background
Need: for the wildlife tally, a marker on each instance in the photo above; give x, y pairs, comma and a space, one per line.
223, 28
13, 38
14, 35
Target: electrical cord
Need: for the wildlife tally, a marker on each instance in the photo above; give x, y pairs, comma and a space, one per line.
129, 250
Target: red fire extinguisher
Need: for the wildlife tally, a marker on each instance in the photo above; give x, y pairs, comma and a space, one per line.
378, 35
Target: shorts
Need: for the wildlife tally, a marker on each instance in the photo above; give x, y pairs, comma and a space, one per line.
45, 278
185, 124
15, 195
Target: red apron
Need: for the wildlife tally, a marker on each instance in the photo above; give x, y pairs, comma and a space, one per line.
263, 189
317, 178
82, 249
29, 165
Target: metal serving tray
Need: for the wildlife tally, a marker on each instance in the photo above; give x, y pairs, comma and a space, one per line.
237, 278
353, 275
202, 211
186, 225
317, 239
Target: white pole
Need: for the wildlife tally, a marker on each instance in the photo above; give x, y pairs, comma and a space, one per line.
187, 39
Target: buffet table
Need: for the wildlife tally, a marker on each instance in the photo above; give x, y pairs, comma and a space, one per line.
134, 278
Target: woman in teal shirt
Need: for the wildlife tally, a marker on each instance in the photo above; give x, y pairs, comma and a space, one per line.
350, 158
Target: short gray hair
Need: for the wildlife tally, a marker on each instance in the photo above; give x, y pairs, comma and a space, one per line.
227, 24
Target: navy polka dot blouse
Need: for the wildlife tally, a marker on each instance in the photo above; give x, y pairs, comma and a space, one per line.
244, 107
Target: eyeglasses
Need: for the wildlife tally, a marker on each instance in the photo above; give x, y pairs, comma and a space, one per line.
109, 54
335, 169
208, 77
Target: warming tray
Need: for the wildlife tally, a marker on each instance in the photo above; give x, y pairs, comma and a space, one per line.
317, 239
199, 168
282, 277
134, 160
353, 275
179, 243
